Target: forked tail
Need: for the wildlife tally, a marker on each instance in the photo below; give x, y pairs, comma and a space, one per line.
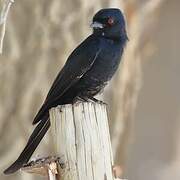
32, 144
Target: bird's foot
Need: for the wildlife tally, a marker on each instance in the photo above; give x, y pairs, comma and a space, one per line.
79, 99
96, 100
87, 99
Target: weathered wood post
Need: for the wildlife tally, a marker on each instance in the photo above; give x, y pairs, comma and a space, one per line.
81, 138
81, 141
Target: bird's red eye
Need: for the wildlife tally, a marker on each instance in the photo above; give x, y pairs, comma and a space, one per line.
110, 21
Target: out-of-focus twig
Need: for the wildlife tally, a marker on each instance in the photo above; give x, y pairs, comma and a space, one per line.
3, 17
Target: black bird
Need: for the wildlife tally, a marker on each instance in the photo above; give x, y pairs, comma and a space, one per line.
87, 70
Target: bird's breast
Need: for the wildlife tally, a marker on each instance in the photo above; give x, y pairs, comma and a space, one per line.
107, 62
103, 68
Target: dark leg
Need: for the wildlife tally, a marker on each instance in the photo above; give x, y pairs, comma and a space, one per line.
80, 99
96, 100
87, 99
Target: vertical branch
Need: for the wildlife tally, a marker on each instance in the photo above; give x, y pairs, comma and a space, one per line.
3, 18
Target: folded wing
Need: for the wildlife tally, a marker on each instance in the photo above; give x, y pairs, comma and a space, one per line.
78, 63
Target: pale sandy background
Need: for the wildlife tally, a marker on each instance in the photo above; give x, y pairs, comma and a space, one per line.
143, 98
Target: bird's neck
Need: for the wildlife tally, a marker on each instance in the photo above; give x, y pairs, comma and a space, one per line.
117, 39
119, 36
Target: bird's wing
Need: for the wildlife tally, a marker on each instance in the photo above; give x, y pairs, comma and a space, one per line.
78, 63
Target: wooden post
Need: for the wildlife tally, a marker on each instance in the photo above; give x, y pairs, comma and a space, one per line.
81, 138
82, 146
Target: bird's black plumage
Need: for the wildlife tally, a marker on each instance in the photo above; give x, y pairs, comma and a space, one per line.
87, 70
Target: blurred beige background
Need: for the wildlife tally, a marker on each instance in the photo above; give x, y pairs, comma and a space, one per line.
143, 98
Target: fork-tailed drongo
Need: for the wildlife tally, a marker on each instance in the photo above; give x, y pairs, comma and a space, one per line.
87, 70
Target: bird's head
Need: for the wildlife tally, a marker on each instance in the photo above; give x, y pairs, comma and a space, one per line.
110, 23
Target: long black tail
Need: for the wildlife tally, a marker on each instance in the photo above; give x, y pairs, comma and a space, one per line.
32, 144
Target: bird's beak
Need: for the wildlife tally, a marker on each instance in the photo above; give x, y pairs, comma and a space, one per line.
96, 25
